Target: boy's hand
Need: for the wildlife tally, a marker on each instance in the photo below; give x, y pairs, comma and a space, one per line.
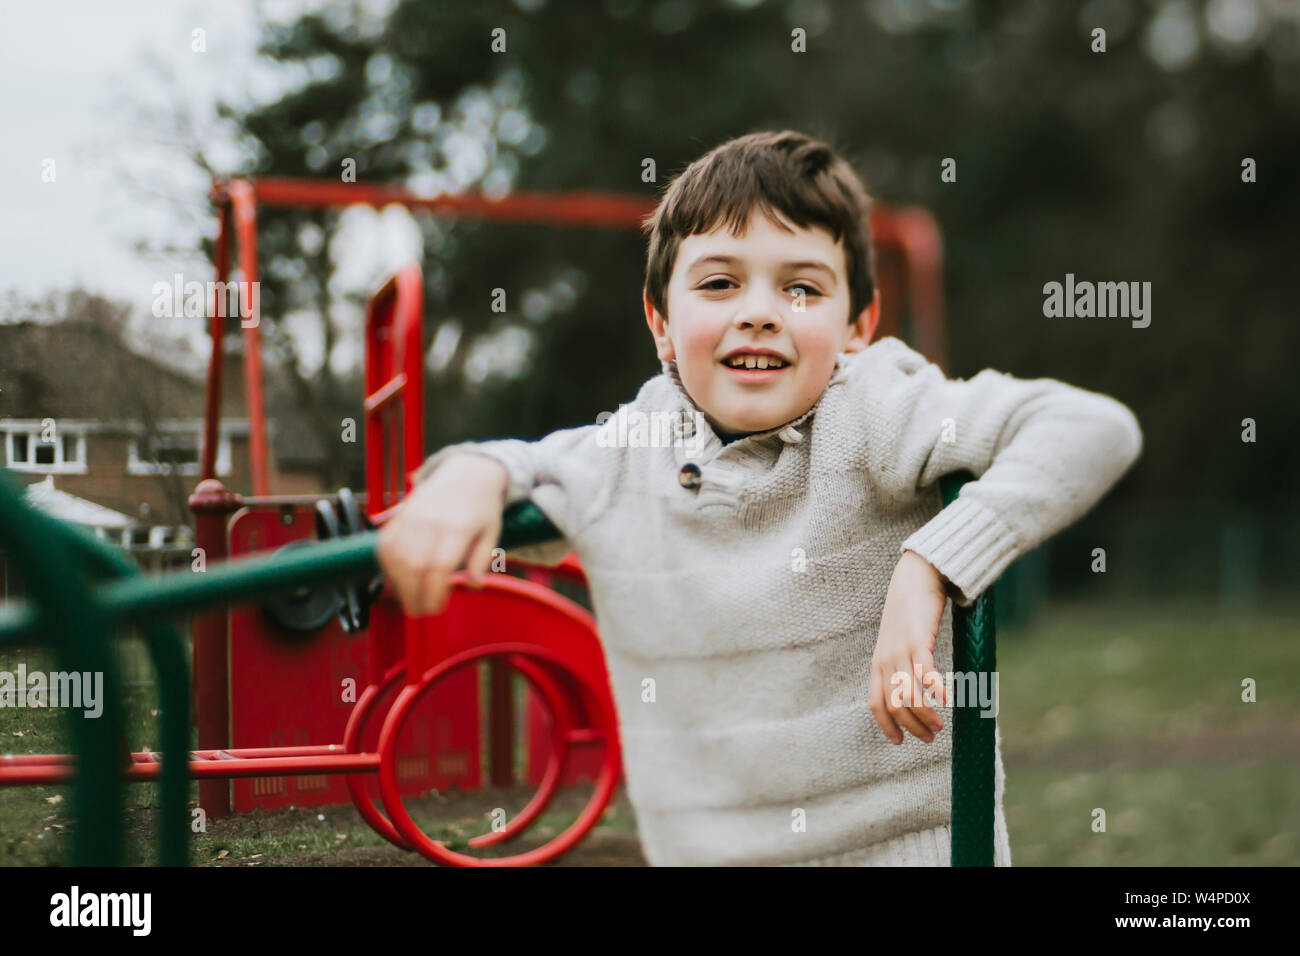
450, 520
909, 627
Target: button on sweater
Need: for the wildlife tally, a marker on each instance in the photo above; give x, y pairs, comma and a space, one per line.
738, 590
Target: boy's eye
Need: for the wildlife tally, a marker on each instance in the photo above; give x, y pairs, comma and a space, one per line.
712, 285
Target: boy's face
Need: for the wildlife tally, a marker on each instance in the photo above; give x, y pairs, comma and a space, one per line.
731, 296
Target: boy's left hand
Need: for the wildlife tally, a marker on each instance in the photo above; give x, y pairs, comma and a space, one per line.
909, 627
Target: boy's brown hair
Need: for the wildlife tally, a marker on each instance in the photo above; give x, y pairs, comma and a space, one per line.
797, 175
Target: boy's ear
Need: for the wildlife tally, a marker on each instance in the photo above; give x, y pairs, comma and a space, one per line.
657, 323
864, 329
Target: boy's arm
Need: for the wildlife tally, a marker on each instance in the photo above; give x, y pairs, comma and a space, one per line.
562, 473
1043, 453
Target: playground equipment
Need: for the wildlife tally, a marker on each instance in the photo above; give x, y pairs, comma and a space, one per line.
436, 741
327, 605
78, 621
318, 638
909, 256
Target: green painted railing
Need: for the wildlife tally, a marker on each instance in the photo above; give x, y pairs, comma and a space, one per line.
973, 652
72, 623
66, 613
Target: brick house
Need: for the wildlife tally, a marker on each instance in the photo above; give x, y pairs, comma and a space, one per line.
112, 439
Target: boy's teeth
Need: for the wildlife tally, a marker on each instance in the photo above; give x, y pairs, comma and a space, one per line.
751, 361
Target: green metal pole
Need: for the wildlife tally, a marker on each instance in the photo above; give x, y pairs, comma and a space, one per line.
167, 652
142, 599
68, 617
973, 652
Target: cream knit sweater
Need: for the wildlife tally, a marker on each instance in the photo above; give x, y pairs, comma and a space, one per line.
738, 608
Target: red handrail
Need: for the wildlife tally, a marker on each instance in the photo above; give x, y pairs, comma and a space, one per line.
394, 402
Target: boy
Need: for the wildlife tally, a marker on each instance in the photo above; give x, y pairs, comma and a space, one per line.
763, 673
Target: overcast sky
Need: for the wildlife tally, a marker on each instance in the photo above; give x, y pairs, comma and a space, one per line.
73, 81
84, 85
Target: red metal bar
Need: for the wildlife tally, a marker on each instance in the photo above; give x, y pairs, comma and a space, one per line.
21, 760
267, 767
925, 242
604, 210
209, 771
386, 394
254, 501
501, 724
916, 234
252, 753
244, 202
150, 756
29, 775
394, 380
212, 409
212, 506
394, 424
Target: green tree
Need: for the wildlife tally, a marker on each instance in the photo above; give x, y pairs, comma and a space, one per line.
1115, 165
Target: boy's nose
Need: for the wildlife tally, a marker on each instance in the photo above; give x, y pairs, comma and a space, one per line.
759, 310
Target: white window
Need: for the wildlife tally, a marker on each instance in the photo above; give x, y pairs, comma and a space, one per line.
178, 448
26, 450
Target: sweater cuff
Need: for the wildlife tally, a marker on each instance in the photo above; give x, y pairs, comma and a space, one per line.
969, 544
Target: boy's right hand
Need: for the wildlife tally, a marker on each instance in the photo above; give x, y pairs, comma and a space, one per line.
450, 520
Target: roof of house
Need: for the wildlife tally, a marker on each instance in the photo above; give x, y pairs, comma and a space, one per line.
66, 507
81, 369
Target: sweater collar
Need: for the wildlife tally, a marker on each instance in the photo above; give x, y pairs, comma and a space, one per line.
788, 431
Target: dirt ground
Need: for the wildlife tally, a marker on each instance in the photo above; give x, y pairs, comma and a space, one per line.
613, 842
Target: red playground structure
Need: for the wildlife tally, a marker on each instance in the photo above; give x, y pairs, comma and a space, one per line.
326, 696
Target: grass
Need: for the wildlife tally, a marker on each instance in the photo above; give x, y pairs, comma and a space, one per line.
1086, 673
34, 829
1189, 816
1138, 711
1135, 710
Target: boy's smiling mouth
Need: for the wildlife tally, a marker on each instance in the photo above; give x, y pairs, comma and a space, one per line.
755, 365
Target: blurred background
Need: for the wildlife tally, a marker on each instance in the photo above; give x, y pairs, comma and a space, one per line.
1171, 158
